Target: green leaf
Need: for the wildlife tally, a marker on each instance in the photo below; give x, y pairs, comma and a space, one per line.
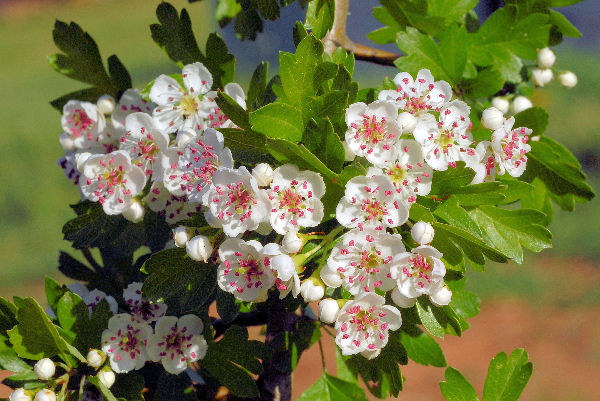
54, 292
563, 3
74, 269
415, 14
452, 180
11, 362
563, 24
539, 199
106, 393
226, 10
535, 118
456, 387
386, 34
128, 386
509, 230
324, 143
173, 387
454, 42
279, 121
319, 17
331, 388
288, 152
465, 303
438, 321
269, 9
93, 227
507, 376
8, 317
219, 61
342, 369
233, 111
174, 35
421, 348
298, 71
487, 83
233, 358
258, 85
454, 10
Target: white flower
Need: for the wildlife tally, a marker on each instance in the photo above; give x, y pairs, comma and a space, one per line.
106, 104
175, 208
541, 77
372, 130
328, 310
519, 104
291, 243
362, 259
83, 122
422, 233
180, 107
263, 173
418, 96
199, 248
567, 79
44, 369
214, 116
418, 272
93, 298
141, 309
492, 118
235, 202
501, 104
95, 358
181, 236
69, 166
19, 395
295, 199
107, 377
364, 323
441, 297
510, 148
407, 171
444, 142
45, 395
482, 161
312, 290
124, 342
371, 202
546, 58
135, 213
177, 342
144, 142
130, 102
111, 180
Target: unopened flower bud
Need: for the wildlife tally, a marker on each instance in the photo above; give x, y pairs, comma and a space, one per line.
106, 104
407, 122
331, 278
45, 395
541, 77
181, 236
546, 58
107, 377
44, 369
67, 142
442, 297
263, 174
199, 248
501, 104
311, 290
492, 118
19, 395
81, 158
95, 358
136, 211
520, 103
567, 79
291, 243
328, 310
422, 233
348, 153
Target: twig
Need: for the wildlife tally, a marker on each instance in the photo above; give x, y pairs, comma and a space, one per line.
322, 355
337, 37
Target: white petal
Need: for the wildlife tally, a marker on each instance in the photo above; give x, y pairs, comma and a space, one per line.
196, 78
165, 91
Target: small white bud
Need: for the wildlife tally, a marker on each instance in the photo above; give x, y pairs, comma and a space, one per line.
44, 369
567, 79
67, 142
263, 173
95, 358
520, 103
328, 310
81, 158
19, 395
541, 77
407, 121
199, 248
331, 278
310, 291
181, 236
442, 297
106, 104
136, 211
501, 104
422, 233
107, 377
492, 118
291, 243
348, 153
546, 58
45, 395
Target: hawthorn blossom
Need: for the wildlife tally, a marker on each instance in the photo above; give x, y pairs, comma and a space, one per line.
144, 142
362, 259
372, 130
418, 96
177, 342
141, 309
371, 202
363, 325
445, 142
94, 297
180, 107
510, 148
235, 202
407, 171
124, 343
82, 122
215, 118
174, 208
112, 180
482, 161
130, 102
418, 272
295, 199
68, 165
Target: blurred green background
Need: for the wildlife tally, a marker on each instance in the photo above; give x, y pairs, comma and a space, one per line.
35, 195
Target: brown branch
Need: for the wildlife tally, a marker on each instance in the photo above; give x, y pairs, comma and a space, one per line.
337, 37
